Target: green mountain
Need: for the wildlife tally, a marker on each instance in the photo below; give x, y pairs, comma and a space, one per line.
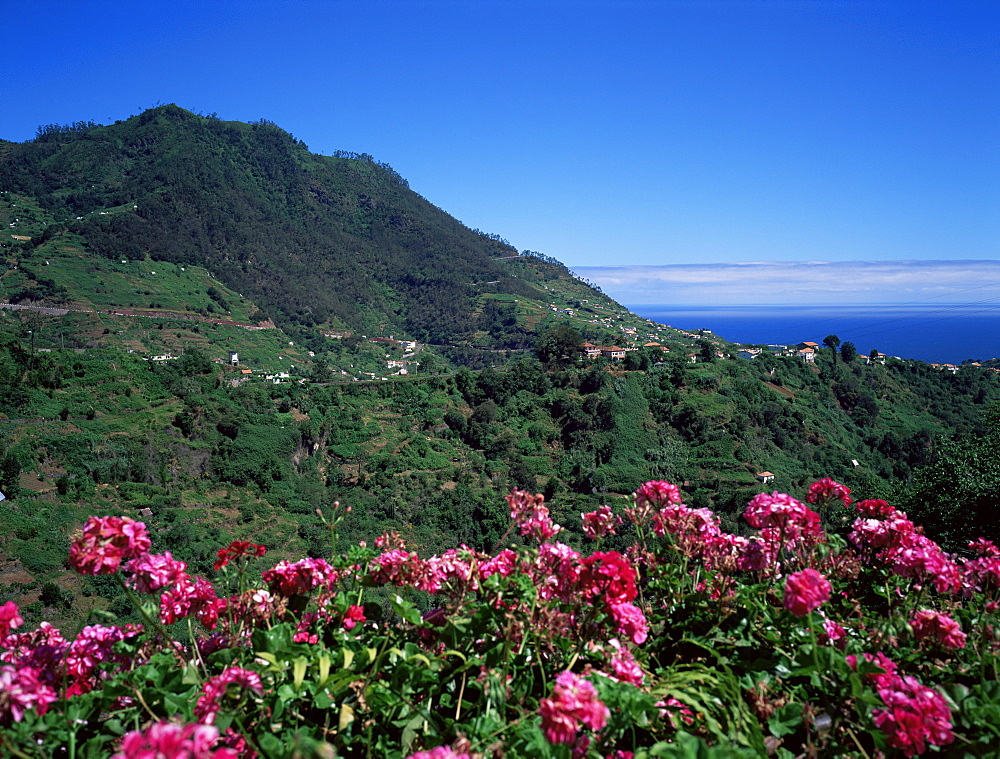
317, 242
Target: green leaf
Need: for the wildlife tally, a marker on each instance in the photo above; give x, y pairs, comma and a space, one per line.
324, 666
299, 672
191, 674
406, 609
410, 731
785, 720
346, 717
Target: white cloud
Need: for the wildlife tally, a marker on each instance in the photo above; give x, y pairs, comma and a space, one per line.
798, 283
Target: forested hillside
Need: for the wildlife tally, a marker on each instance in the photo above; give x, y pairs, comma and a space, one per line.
314, 240
101, 430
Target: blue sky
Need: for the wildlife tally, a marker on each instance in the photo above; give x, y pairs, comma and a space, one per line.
601, 132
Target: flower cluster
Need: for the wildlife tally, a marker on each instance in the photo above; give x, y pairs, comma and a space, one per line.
827, 491
937, 627
914, 715
531, 515
598, 524
300, 577
574, 702
21, 689
10, 619
169, 740
105, 542
151, 573
295, 655
191, 597
897, 542
238, 549
806, 591
215, 690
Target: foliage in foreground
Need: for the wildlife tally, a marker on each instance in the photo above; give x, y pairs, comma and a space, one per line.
839, 631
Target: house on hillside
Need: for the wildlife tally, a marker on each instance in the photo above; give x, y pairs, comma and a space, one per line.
808, 355
613, 352
748, 353
588, 350
765, 477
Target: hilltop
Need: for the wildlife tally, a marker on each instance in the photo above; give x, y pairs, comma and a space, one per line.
316, 244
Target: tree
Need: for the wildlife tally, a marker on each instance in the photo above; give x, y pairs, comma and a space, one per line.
873, 356
558, 345
831, 342
707, 352
848, 352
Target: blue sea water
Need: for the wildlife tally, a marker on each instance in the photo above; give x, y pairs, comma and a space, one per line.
936, 334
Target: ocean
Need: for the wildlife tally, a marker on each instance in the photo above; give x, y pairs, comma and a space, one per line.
946, 334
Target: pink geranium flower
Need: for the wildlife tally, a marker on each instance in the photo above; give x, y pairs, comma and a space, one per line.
805, 591
215, 690
656, 494
826, 490
168, 740
300, 577
439, 752
21, 689
105, 543
10, 619
531, 515
151, 572
940, 628
574, 702
630, 622
597, 524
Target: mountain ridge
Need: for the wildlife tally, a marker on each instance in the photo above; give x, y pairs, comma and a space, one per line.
315, 240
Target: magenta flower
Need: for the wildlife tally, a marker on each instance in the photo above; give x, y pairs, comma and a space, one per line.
503, 564
168, 740
932, 625
439, 752
805, 591
353, 616
399, 567
656, 494
300, 577
624, 665
827, 490
609, 575
10, 619
915, 715
574, 702
597, 524
216, 688
151, 572
630, 622
92, 647
833, 635
21, 690
105, 543
191, 596
532, 516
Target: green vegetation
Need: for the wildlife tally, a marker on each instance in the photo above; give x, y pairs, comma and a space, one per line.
179, 236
